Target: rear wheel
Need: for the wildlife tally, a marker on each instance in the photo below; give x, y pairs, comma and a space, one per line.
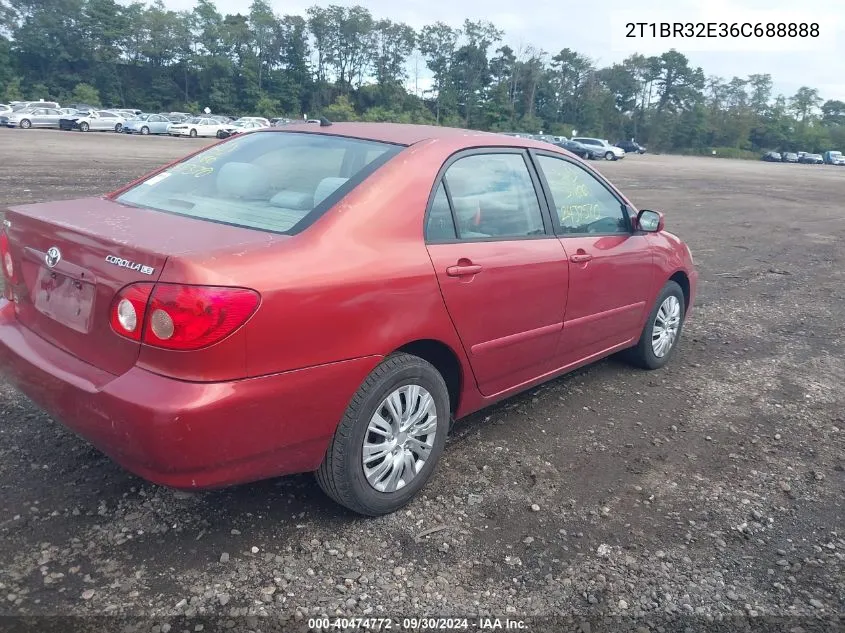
391, 436
662, 330
26, 124
193, 133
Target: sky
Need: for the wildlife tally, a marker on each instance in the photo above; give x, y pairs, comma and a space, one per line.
598, 29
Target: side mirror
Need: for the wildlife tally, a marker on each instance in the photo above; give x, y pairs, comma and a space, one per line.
650, 221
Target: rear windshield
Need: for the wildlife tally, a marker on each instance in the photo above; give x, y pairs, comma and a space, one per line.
271, 181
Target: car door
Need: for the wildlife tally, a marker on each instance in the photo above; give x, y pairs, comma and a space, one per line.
158, 124
611, 269
51, 117
105, 121
502, 272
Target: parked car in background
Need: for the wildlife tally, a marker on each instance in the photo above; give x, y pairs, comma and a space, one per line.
257, 119
199, 126
241, 126
5, 109
833, 157
789, 157
772, 157
82, 108
573, 146
280, 121
20, 105
144, 124
34, 117
812, 159
273, 239
100, 121
600, 148
631, 147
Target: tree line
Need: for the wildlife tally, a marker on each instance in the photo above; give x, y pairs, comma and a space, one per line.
346, 64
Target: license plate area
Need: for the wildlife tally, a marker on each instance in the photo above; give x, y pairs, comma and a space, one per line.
64, 299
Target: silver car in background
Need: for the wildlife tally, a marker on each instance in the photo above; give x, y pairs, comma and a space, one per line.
147, 124
34, 117
101, 120
600, 148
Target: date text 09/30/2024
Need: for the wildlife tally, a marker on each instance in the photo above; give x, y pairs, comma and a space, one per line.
417, 624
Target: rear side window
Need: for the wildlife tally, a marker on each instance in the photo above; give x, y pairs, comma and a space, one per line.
271, 181
493, 197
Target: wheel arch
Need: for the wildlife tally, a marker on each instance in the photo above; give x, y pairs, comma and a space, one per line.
445, 360
681, 278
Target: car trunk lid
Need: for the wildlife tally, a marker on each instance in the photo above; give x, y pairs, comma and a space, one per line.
73, 257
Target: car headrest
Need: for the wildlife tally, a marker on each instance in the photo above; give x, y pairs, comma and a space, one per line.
326, 188
297, 200
243, 180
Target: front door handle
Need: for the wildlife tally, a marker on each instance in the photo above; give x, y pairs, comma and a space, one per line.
580, 257
463, 270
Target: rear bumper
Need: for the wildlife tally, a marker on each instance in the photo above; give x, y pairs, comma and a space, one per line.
181, 434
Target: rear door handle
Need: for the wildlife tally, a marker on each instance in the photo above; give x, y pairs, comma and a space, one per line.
463, 270
580, 257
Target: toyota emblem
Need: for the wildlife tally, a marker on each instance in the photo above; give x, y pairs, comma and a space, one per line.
53, 256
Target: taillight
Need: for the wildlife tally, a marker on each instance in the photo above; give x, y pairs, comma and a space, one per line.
10, 273
177, 317
128, 309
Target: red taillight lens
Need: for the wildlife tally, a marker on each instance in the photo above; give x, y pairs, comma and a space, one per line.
128, 310
177, 317
6, 257
10, 272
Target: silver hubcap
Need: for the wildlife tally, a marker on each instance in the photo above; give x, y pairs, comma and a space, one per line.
399, 438
666, 326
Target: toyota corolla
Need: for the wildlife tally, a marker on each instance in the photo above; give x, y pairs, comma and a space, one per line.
328, 298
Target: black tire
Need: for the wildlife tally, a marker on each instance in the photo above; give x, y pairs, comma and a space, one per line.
84, 127
118, 127
609, 156
643, 354
145, 130
221, 134
193, 133
25, 124
341, 475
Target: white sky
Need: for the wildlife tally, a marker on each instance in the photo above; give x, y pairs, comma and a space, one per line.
597, 29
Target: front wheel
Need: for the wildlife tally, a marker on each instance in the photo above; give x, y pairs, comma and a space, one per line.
118, 127
609, 156
193, 133
145, 130
84, 127
390, 438
662, 330
26, 124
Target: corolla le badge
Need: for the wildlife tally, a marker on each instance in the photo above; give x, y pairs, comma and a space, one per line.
53, 256
125, 263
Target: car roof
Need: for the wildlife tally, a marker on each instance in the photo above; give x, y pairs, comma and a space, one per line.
407, 134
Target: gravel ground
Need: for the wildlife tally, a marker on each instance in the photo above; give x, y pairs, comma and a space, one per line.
705, 495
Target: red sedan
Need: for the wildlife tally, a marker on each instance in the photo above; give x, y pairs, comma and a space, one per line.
328, 298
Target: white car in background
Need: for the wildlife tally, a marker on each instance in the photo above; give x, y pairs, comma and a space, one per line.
101, 121
600, 148
199, 126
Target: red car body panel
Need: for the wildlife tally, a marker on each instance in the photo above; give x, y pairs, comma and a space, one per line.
357, 285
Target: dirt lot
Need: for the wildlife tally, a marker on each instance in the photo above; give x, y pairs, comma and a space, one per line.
708, 492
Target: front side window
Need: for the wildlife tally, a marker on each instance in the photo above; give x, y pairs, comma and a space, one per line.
582, 204
493, 197
276, 181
